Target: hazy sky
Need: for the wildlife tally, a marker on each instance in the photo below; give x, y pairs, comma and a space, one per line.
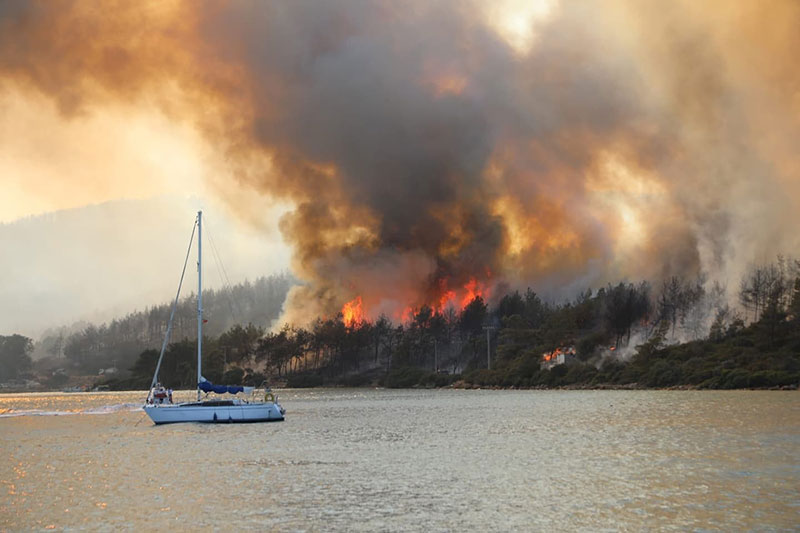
96, 212
406, 152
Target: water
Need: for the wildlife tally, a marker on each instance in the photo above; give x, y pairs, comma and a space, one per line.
381, 460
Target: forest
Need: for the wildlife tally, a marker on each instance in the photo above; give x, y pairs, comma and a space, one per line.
677, 333
86, 349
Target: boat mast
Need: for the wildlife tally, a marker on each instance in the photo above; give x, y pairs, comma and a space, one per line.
199, 299
172, 313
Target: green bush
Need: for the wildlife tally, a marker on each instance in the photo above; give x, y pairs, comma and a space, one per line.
254, 379
737, 378
404, 377
579, 373
303, 381
484, 377
234, 376
773, 378
663, 374
433, 379
356, 380
695, 371
587, 346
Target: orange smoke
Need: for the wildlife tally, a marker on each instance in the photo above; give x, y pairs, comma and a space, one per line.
549, 161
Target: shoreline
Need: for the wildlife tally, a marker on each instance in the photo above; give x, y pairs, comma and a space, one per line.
461, 385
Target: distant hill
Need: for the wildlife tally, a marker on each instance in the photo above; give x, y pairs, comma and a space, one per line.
98, 262
119, 342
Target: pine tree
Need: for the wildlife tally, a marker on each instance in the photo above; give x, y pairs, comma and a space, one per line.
794, 304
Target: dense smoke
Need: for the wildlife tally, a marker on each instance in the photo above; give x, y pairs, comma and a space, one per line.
430, 152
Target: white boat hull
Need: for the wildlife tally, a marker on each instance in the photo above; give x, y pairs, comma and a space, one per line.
220, 414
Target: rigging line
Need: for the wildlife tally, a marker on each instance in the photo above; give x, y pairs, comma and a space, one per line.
220, 270
226, 286
226, 282
218, 262
219, 259
172, 313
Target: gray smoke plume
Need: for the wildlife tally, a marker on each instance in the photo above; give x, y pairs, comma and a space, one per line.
429, 158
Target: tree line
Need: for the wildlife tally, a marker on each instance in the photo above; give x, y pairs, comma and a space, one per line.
623, 333
15, 359
677, 331
119, 342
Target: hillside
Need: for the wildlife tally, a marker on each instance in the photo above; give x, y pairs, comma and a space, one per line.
117, 344
679, 334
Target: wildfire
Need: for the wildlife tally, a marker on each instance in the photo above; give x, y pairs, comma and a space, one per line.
352, 313
472, 290
406, 314
461, 297
550, 356
446, 299
446, 296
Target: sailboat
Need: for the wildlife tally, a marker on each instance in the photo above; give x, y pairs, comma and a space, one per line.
159, 406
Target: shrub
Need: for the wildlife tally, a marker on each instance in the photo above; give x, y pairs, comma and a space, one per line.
663, 374
254, 379
356, 380
483, 377
772, 378
304, 381
404, 377
234, 376
738, 378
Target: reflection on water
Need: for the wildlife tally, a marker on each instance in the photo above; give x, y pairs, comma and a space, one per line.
366, 460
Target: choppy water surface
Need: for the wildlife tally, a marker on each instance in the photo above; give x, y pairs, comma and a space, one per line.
380, 460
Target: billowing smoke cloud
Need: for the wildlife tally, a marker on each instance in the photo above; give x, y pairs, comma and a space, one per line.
430, 154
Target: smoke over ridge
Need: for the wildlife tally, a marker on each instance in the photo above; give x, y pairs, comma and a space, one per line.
426, 149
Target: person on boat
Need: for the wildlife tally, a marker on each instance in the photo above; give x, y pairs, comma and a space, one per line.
169, 395
160, 394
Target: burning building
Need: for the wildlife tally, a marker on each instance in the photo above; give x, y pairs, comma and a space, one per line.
559, 356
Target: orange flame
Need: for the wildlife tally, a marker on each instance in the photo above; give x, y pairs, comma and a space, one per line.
352, 313
549, 356
552, 355
448, 296
472, 290
406, 314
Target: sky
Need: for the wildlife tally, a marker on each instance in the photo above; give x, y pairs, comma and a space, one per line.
96, 212
402, 153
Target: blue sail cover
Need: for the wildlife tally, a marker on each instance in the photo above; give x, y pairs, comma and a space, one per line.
207, 386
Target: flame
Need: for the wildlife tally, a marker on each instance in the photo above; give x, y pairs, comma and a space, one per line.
472, 290
406, 314
462, 297
446, 299
446, 295
549, 356
352, 314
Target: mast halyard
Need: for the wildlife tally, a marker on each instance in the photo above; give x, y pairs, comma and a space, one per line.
199, 299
